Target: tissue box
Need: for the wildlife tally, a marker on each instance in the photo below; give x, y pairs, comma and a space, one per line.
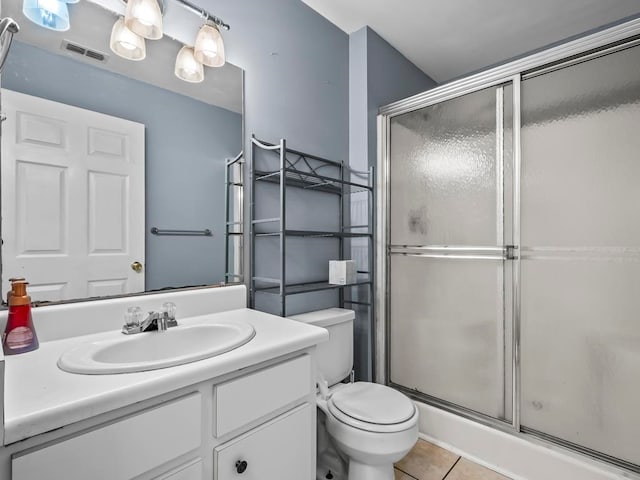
342, 272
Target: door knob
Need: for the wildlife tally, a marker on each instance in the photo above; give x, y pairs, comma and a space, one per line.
136, 267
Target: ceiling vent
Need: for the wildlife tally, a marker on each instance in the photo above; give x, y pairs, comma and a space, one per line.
69, 46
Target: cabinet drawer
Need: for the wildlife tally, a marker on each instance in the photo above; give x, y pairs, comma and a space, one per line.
281, 449
241, 401
121, 450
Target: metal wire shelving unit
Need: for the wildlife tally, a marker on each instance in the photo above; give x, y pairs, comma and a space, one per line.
233, 227
305, 171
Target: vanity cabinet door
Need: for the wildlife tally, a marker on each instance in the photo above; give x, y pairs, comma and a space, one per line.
121, 450
191, 471
282, 449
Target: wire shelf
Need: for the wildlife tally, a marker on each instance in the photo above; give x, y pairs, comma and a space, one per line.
312, 181
299, 288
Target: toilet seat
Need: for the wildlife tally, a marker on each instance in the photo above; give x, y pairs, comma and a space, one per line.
372, 407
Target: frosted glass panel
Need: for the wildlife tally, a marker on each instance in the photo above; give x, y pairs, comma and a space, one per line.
581, 352
447, 331
581, 154
581, 254
443, 173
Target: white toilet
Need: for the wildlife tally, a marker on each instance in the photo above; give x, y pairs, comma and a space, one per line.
373, 425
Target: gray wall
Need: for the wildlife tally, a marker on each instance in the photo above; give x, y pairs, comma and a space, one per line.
296, 87
379, 75
184, 188
297, 72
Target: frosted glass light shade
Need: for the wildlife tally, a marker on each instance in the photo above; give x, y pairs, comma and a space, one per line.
209, 48
144, 17
51, 14
125, 43
187, 67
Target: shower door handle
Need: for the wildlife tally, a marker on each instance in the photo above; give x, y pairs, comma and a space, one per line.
506, 252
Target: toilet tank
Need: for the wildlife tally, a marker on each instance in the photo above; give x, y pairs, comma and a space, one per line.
335, 357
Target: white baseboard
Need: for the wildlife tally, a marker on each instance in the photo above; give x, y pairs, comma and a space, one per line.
515, 457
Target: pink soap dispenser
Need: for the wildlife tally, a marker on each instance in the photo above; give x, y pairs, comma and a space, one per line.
19, 334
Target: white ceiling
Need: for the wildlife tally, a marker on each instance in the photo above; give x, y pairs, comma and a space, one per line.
449, 38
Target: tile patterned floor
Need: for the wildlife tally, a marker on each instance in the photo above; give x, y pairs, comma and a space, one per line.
429, 462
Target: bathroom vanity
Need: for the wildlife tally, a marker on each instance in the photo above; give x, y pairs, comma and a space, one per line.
247, 413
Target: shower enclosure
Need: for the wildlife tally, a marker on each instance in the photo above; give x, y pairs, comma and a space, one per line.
509, 246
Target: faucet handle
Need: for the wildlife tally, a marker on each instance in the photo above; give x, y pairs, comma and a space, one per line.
169, 312
132, 320
170, 309
133, 317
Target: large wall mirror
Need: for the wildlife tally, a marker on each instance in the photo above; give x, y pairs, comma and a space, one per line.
115, 173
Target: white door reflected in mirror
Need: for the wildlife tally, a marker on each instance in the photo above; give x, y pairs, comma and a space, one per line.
77, 180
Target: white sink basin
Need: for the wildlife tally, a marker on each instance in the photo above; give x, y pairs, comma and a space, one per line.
153, 350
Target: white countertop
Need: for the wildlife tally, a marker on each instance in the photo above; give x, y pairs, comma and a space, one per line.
40, 397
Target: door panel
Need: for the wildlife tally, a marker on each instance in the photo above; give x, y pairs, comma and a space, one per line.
41, 192
41, 130
451, 214
581, 351
580, 148
443, 160
108, 226
581, 254
108, 144
101, 288
447, 335
72, 199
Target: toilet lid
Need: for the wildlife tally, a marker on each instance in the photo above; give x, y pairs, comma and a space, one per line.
373, 403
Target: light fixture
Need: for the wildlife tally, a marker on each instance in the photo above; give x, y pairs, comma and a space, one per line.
144, 17
51, 14
187, 67
209, 48
125, 43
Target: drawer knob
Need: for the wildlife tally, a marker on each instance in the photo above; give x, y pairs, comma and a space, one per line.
241, 466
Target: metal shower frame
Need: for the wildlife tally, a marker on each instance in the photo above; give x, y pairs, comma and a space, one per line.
622, 36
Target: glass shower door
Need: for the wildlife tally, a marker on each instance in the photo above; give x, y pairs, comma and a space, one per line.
450, 277
581, 254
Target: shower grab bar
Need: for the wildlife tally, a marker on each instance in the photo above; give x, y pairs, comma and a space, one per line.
8, 27
186, 233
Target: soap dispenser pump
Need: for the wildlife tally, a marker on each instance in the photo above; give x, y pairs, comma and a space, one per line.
12, 281
19, 334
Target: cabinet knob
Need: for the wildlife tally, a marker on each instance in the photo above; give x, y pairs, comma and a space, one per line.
241, 466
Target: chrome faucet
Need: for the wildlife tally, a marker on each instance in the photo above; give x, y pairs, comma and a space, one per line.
159, 321
154, 321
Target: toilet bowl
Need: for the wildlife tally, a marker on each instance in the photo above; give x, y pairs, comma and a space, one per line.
372, 425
